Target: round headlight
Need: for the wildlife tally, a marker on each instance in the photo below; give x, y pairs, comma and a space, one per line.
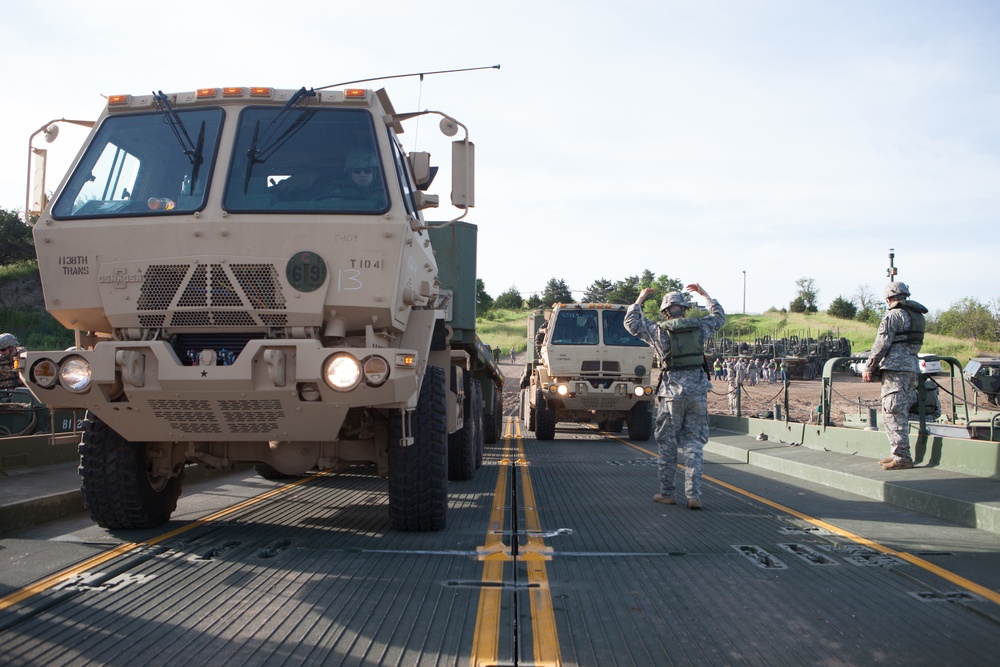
45, 373
376, 370
638, 391
342, 371
563, 390
74, 374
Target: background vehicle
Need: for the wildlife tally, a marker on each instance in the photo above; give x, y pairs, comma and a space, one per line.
929, 363
983, 373
586, 368
237, 296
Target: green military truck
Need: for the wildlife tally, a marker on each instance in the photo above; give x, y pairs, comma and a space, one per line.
250, 278
585, 367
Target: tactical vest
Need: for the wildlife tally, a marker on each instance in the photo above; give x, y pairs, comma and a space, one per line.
686, 348
915, 336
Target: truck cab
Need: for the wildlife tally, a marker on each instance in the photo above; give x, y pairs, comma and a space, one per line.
250, 278
585, 367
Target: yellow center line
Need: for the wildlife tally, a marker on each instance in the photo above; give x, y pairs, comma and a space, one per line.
534, 555
955, 579
54, 580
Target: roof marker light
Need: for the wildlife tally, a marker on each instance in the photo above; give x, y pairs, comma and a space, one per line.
203, 93
260, 92
355, 92
115, 100
233, 91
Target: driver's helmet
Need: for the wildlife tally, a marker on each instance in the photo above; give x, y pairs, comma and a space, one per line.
358, 159
7, 340
896, 290
673, 299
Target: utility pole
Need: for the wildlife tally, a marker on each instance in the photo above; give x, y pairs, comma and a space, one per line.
744, 292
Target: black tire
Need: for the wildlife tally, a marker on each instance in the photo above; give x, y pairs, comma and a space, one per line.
462, 443
498, 412
418, 474
616, 425
640, 422
545, 419
477, 415
268, 472
118, 490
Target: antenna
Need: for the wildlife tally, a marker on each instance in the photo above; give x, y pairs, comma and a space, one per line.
400, 76
891, 271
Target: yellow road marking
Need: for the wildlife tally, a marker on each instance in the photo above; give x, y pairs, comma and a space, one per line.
54, 580
534, 553
955, 579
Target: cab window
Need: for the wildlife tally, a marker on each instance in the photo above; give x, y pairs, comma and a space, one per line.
136, 166
306, 161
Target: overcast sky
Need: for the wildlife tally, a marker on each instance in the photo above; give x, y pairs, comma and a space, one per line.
697, 139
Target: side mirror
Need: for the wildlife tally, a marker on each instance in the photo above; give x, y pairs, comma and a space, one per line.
463, 174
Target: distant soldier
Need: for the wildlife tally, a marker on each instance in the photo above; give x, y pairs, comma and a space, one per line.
753, 373
512, 353
736, 377
8, 356
496, 354
682, 417
894, 355
718, 368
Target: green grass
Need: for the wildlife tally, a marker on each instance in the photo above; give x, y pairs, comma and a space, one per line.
505, 328
17, 270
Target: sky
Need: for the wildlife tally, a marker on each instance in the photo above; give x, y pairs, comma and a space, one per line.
742, 144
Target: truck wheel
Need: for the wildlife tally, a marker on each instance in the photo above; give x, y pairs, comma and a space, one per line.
545, 419
477, 416
268, 472
118, 489
418, 474
462, 443
640, 423
616, 425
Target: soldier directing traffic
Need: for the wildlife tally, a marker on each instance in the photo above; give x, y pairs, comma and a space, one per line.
682, 417
894, 355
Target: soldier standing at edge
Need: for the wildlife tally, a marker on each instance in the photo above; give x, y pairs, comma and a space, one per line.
894, 355
682, 417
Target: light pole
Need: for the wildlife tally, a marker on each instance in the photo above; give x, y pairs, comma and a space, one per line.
744, 292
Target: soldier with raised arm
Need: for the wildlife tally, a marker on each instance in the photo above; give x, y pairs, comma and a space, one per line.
682, 417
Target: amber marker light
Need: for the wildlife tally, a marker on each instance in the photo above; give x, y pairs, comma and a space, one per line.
117, 100
355, 92
233, 92
260, 92
206, 93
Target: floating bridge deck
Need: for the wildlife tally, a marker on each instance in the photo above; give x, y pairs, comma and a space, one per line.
554, 554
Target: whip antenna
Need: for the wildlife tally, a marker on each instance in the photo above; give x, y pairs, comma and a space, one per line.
400, 76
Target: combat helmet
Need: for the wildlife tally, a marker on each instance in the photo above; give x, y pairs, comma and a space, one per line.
7, 340
358, 159
896, 290
673, 299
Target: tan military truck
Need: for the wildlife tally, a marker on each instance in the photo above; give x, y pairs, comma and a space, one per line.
250, 278
585, 367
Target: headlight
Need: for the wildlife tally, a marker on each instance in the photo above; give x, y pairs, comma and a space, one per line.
74, 374
45, 373
563, 390
638, 391
376, 370
342, 371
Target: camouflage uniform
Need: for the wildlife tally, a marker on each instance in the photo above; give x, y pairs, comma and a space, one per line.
897, 362
736, 377
9, 378
682, 417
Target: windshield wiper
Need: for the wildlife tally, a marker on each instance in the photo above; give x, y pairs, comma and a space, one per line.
257, 154
193, 150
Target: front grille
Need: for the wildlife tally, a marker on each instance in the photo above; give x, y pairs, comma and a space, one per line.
211, 295
258, 416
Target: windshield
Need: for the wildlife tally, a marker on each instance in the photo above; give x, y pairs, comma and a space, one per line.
614, 330
135, 166
576, 327
306, 160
